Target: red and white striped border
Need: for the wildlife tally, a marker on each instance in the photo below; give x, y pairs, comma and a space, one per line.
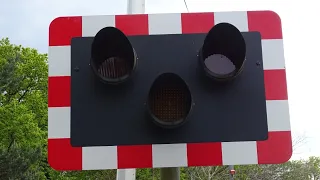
62, 156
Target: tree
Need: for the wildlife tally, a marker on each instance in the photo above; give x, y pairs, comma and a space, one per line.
298, 170
23, 114
210, 172
23, 94
313, 165
20, 163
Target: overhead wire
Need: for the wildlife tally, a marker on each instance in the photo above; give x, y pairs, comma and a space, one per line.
185, 3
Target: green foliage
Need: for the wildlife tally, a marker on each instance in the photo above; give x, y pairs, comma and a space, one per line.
145, 174
210, 172
313, 165
23, 131
23, 111
297, 170
18, 124
84, 175
20, 163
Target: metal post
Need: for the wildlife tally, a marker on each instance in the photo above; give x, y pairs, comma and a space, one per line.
172, 173
231, 168
138, 7
134, 7
126, 174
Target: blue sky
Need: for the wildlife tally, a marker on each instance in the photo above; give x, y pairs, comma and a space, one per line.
27, 22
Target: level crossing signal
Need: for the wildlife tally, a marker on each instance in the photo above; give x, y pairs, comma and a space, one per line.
167, 90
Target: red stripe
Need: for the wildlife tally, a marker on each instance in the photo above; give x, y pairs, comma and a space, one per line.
63, 29
138, 156
276, 150
197, 22
268, 23
204, 154
62, 156
59, 91
275, 84
133, 24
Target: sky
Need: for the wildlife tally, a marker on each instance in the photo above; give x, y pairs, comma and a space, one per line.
27, 23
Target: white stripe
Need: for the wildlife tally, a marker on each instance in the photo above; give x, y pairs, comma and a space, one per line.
92, 24
59, 58
165, 24
238, 19
100, 157
234, 153
59, 122
278, 115
273, 54
169, 155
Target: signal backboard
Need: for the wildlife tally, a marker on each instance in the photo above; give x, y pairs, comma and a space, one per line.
63, 156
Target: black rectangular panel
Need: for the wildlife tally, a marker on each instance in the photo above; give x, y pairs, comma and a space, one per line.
116, 115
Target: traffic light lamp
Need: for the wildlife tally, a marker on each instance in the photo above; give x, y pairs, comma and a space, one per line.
169, 101
223, 52
112, 56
